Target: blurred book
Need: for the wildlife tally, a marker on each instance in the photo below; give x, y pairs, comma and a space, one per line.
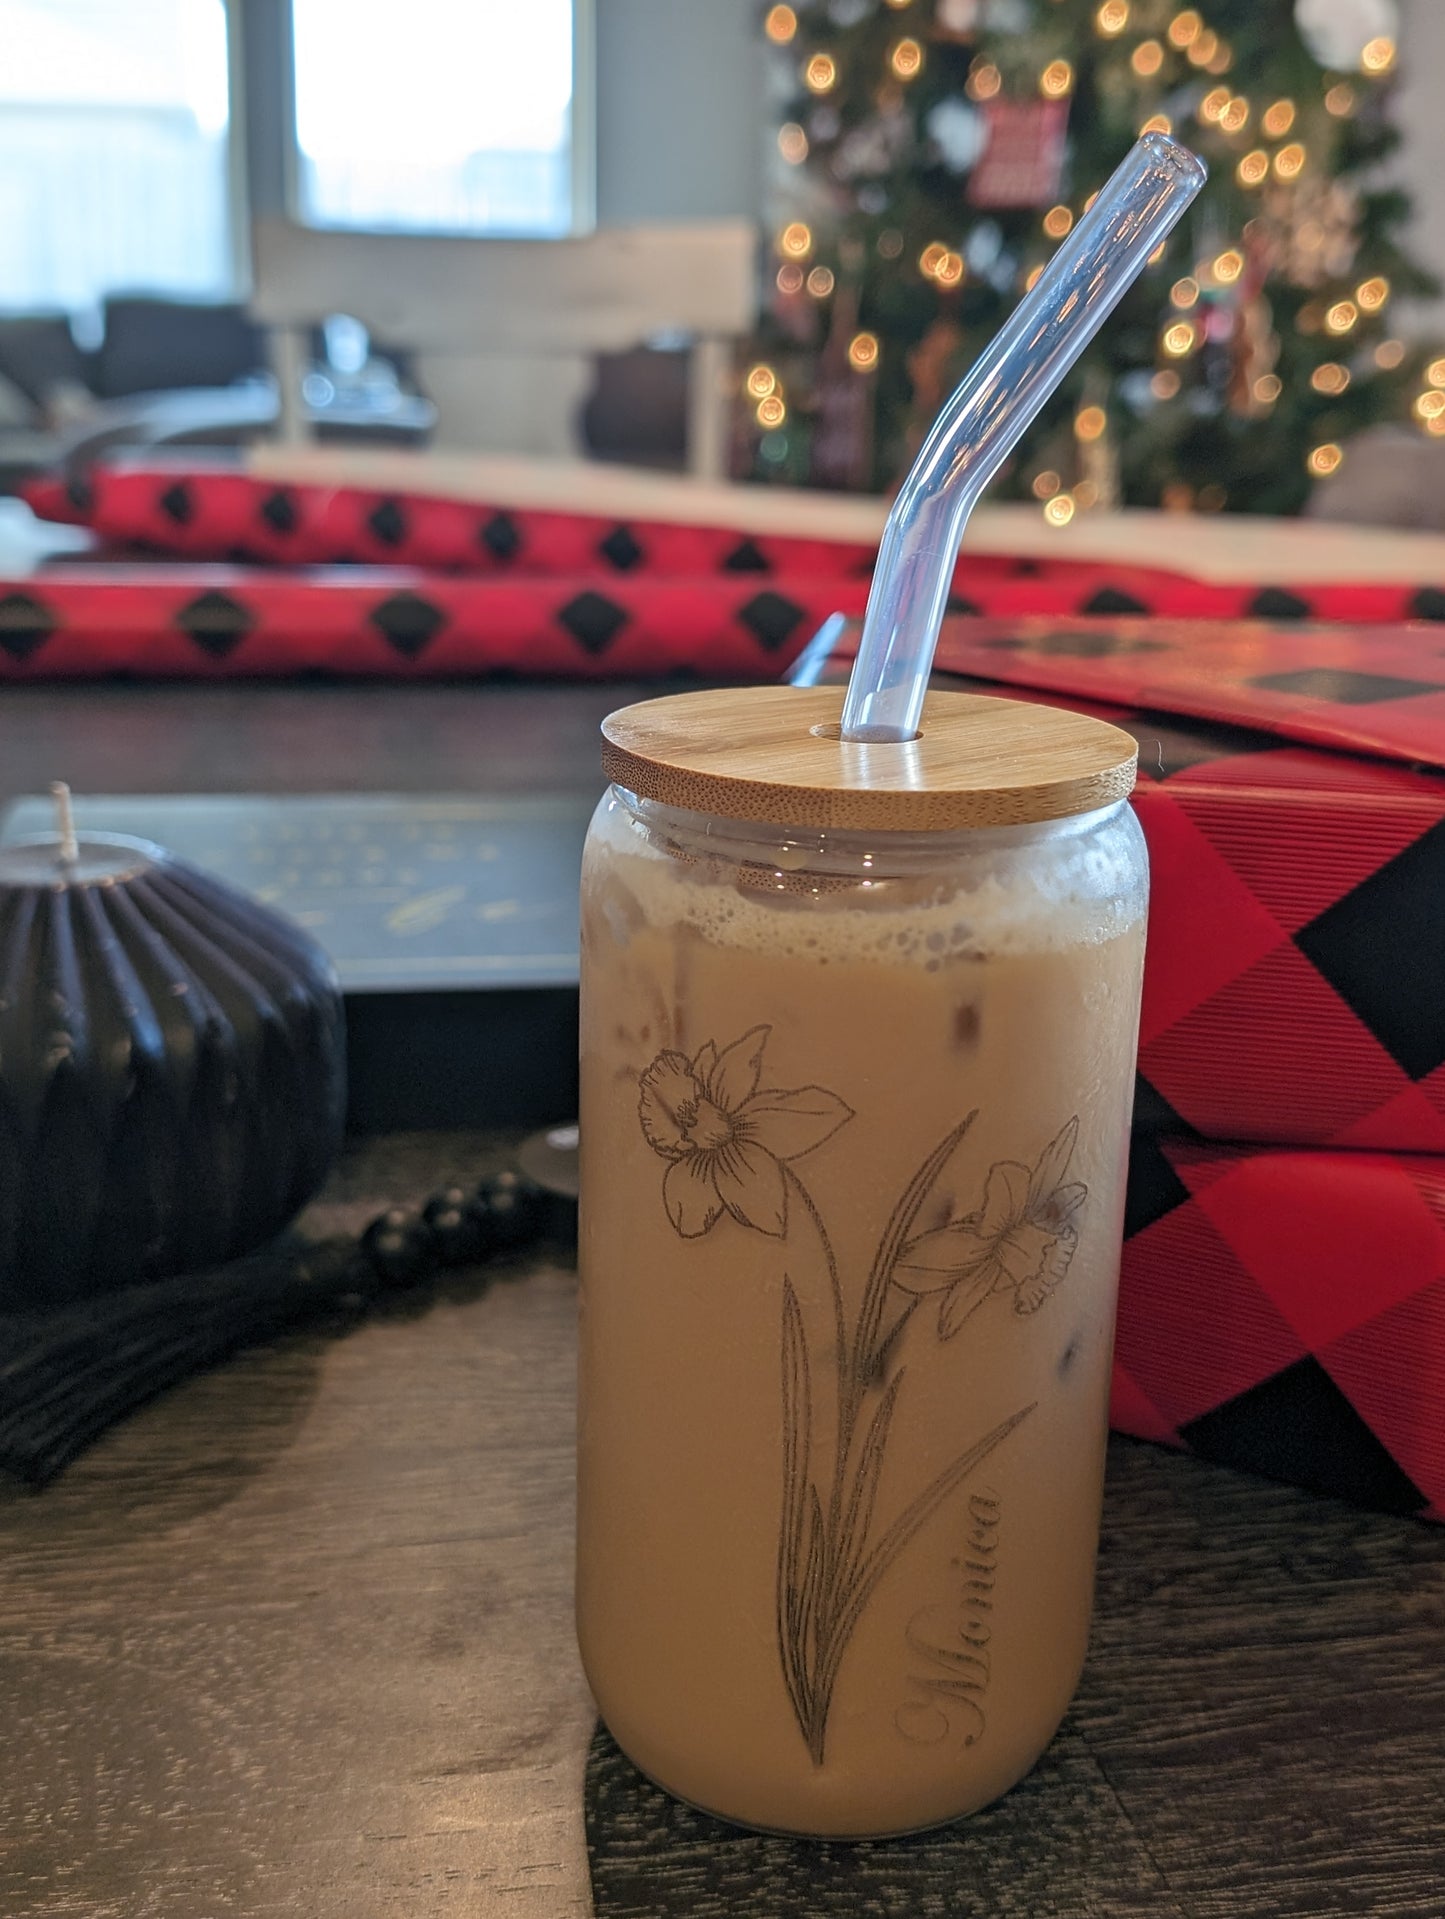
452, 921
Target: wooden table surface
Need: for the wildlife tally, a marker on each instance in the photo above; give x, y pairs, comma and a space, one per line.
296, 1640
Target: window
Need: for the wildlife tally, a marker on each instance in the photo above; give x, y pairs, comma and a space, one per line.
113, 151
445, 116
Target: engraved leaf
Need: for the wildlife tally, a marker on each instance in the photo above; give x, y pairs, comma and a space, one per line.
739, 1067
1056, 1209
916, 1514
859, 1517
941, 1258
690, 1196
1053, 1163
1005, 1197
789, 1124
964, 1299
797, 1433
750, 1184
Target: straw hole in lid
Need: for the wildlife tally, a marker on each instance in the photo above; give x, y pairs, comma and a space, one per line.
831, 730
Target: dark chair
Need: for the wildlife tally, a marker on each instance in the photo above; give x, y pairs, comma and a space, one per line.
637, 410
155, 346
38, 355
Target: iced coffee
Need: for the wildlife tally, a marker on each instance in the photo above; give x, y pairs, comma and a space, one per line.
854, 1118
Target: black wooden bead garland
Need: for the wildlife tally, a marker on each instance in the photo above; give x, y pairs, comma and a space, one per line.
66, 1377
454, 1228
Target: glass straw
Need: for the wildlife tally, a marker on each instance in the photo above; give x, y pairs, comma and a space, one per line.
984, 420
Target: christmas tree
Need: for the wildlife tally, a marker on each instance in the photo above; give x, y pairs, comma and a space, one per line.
931, 153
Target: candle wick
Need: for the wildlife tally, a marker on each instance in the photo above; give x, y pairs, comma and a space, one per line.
65, 823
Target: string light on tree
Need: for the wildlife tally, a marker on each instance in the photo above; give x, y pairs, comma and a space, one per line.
932, 153
1057, 80
1059, 510
1326, 459
761, 381
772, 412
1339, 33
1330, 378
1202, 48
906, 59
1278, 119
863, 352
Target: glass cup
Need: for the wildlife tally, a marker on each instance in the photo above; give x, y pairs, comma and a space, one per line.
854, 1123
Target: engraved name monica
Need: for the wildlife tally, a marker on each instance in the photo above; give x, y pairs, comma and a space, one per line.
951, 1641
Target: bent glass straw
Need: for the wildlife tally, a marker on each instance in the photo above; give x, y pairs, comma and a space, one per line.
984, 420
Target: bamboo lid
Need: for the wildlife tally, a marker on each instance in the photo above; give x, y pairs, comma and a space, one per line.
773, 753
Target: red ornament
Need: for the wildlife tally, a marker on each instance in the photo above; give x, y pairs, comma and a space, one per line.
1023, 154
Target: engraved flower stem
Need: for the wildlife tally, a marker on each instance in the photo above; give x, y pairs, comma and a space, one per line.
840, 1320
846, 1571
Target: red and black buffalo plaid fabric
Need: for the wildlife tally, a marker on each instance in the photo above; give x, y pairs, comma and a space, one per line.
1284, 1312
1294, 991
1282, 1307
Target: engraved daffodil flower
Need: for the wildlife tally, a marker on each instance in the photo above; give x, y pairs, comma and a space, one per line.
1021, 1240
727, 1137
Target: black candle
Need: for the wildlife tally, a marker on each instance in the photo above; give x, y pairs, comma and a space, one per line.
172, 1078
